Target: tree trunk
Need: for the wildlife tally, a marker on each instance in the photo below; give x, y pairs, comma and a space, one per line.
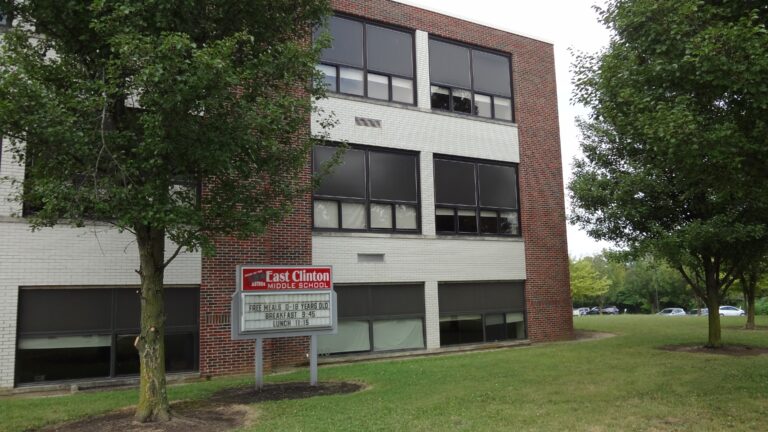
713, 303
153, 398
750, 297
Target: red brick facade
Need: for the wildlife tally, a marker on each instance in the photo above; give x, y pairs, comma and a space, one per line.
548, 298
219, 354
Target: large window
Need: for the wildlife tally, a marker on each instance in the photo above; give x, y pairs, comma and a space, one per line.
481, 312
369, 190
89, 333
377, 318
474, 197
470, 81
369, 60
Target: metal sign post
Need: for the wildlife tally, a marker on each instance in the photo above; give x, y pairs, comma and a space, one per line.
272, 301
258, 361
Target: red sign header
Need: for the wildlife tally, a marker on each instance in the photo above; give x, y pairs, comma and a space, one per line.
285, 278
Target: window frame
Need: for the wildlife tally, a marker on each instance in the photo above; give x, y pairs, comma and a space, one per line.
365, 68
371, 318
113, 332
478, 208
367, 201
483, 325
493, 97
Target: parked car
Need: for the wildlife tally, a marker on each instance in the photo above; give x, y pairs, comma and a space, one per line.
611, 310
580, 311
594, 311
704, 312
731, 311
672, 312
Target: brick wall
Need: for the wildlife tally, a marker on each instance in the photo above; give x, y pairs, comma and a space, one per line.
289, 243
541, 199
541, 178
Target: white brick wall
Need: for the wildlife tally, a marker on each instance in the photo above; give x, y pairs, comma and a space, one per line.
10, 169
418, 258
424, 258
65, 256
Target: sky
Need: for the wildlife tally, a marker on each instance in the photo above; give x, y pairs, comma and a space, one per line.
566, 23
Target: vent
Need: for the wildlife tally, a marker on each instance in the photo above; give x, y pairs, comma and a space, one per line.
370, 258
362, 121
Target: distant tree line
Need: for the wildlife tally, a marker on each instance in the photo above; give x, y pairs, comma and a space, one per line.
644, 285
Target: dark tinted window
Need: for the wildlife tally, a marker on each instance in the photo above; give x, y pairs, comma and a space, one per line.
56, 310
353, 301
498, 186
393, 176
454, 182
181, 307
389, 51
491, 73
347, 44
449, 64
397, 300
347, 178
379, 300
128, 309
478, 297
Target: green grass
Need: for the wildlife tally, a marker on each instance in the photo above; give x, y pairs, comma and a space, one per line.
618, 383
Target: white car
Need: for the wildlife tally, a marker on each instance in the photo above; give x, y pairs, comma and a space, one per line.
580, 311
731, 311
672, 312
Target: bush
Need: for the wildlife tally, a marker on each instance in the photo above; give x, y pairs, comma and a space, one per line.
761, 306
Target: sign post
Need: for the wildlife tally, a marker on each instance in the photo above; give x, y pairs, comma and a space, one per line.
282, 301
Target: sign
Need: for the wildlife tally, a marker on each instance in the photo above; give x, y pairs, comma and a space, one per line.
283, 301
286, 278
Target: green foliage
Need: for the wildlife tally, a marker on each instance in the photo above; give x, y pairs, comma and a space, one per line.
586, 283
761, 306
122, 109
676, 144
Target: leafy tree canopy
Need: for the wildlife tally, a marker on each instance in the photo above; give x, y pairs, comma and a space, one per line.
676, 145
123, 110
586, 283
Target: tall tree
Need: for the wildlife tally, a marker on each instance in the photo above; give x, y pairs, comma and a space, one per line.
586, 283
121, 109
676, 145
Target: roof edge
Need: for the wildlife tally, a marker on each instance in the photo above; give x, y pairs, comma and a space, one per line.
414, 3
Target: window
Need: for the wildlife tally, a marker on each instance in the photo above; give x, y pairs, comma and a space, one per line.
473, 197
369, 60
481, 312
377, 318
470, 81
369, 190
89, 333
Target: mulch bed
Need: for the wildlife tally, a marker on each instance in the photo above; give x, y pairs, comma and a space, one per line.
728, 350
225, 410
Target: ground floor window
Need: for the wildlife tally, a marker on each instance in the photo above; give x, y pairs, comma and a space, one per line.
377, 318
481, 312
66, 334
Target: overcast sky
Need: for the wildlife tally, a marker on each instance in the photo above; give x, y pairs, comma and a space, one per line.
567, 24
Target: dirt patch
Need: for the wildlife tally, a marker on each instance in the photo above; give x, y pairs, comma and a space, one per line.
223, 411
275, 392
729, 350
580, 335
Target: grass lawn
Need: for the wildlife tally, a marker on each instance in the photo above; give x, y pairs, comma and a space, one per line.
618, 383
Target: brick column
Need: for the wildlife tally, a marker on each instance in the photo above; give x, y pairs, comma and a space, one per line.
286, 243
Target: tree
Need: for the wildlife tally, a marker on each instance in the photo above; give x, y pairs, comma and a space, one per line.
122, 110
586, 283
752, 276
676, 144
